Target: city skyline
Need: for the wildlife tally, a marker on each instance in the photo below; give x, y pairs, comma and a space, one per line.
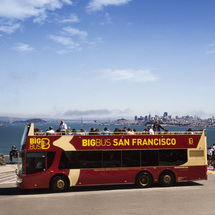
99, 58
145, 117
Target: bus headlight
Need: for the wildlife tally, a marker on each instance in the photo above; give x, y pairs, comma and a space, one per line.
19, 180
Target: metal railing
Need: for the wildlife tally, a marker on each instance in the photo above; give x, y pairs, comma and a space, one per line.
79, 133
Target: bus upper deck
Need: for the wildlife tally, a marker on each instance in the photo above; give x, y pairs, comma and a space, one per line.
89, 159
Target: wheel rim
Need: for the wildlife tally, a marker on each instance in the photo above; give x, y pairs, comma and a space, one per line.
60, 184
144, 180
167, 179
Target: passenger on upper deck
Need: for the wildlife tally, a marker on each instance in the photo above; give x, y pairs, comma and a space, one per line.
36, 131
157, 127
50, 130
82, 131
189, 131
124, 130
62, 127
135, 131
97, 131
117, 131
145, 131
150, 130
92, 131
74, 131
130, 131
106, 131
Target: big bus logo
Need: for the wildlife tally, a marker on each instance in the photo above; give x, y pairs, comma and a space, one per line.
39, 143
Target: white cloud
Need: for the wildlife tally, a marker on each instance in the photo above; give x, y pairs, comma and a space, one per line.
40, 18
22, 9
71, 19
9, 28
21, 47
130, 75
61, 40
14, 10
75, 32
67, 42
96, 5
72, 39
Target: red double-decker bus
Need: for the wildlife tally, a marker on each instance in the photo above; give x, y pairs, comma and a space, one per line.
61, 161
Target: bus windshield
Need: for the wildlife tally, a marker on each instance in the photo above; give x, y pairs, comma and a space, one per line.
24, 136
20, 163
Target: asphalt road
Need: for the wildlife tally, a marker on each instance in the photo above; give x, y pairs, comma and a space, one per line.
184, 198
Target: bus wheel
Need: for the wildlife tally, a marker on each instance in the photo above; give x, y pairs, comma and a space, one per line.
166, 179
144, 180
59, 183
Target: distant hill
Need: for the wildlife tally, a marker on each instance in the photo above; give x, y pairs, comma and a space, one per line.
36, 121
31, 120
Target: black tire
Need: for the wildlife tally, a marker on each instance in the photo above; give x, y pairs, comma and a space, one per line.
144, 180
59, 183
166, 179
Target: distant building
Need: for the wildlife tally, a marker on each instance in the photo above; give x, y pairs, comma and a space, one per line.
165, 115
141, 118
138, 119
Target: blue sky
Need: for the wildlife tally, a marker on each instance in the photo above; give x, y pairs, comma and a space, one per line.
107, 58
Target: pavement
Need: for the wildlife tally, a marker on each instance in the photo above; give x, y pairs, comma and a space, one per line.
211, 170
8, 168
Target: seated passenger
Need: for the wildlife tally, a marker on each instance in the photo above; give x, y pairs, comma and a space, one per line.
68, 132
74, 132
36, 131
50, 130
150, 130
189, 131
116, 131
135, 131
82, 131
145, 131
106, 131
130, 131
92, 131
97, 131
124, 130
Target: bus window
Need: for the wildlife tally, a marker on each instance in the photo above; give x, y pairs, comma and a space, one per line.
149, 158
80, 159
50, 158
35, 162
90, 159
172, 157
111, 159
131, 158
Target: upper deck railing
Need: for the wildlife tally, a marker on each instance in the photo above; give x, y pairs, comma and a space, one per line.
80, 133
